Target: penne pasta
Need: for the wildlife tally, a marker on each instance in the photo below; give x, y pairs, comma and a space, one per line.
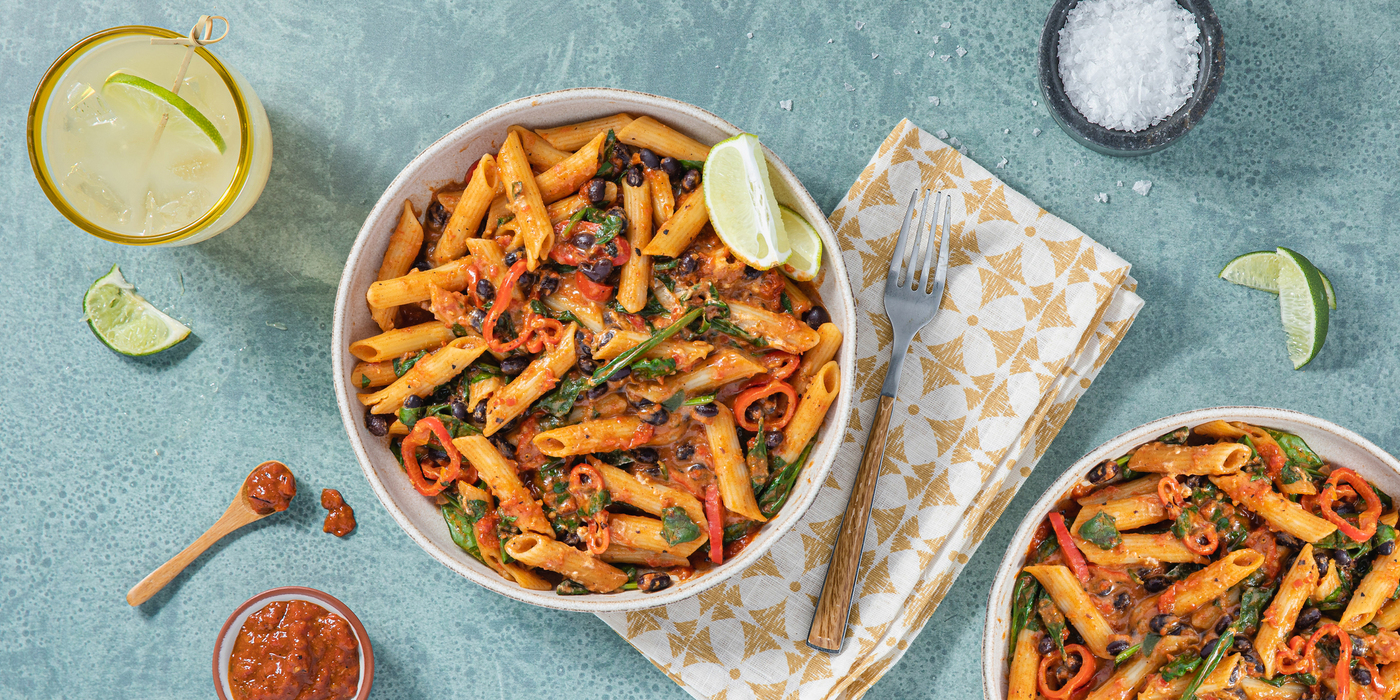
1389, 616
569, 298
523, 196
622, 554
417, 286
1280, 512
1224, 676
1277, 621
1255, 689
1071, 599
685, 352
541, 154
606, 435
828, 341
1127, 489
471, 208
681, 228
500, 476
1127, 678
1141, 549
1127, 513
731, 472
781, 331
400, 341
426, 375
1206, 460
649, 496
595, 575
811, 411
404, 244
645, 132
663, 201
1209, 583
1025, 661
563, 209
636, 272
573, 136
646, 534
1374, 590
537, 380
368, 375
567, 176
482, 390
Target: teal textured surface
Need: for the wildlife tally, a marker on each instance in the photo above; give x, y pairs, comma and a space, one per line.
112, 464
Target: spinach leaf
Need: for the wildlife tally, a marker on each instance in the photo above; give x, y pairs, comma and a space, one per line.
653, 368
1053, 621
608, 229
677, 527
1149, 642
458, 330
560, 401
606, 169
481, 371
699, 400
1046, 549
573, 222
1176, 437
1295, 449
787, 303
598, 501
715, 302
459, 525
730, 329
364, 381
780, 486
1252, 603
660, 263
1180, 666
652, 308
401, 366
1280, 680
674, 402
1226, 641
616, 458
1126, 654
692, 164
570, 587
1023, 599
409, 416
1102, 530
736, 531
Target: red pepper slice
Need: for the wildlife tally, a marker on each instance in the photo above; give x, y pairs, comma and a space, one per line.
499, 306
1169, 492
1368, 518
624, 252
763, 391
1342, 672
419, 437
713, 514
780, 364
1073, 557
1087, 667
590, 289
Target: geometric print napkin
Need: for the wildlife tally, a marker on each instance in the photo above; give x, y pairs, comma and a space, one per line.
1032, 311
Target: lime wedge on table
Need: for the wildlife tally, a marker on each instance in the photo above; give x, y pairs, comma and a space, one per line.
152, 100
1259, 270
741, 203
1302, 303
806, 258
125, 322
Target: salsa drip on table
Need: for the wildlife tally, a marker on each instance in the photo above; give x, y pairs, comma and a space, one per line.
598, 394
270, 488
340, 517
295, 650
1222, 561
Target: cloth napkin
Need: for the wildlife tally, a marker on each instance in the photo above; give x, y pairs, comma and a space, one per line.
1033, 310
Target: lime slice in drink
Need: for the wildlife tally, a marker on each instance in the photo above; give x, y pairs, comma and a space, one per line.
125, 322
741, 203
806, 246
1259, 270
1302, 303
151, 101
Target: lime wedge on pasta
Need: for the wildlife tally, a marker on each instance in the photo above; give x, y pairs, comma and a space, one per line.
1302, 304
806, 258
151, 100
125, 322
741, 203
1259, 270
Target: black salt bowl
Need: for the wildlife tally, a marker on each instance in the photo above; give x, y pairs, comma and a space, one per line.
1114, 142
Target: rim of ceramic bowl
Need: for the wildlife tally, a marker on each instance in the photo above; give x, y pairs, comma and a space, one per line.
813, 474
310, 595
993, 669
1115, 142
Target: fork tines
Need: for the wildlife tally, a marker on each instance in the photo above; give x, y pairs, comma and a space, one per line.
905, 267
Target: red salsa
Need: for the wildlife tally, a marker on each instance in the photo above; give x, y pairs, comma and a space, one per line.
271, 488
295, 650
340, 518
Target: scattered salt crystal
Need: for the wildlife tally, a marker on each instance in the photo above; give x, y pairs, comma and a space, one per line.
860, 25
785, 104
1101, 197
933, 54
850, 87
961, 52
933, 101
1001, 163
1034, 103
1035, 132
935, 38
899, 72
955, 143
944, 58
874, 55
916, 31
947, 25
828, 41
1005, 131
750, 35
1142, 187
942, 134
278, 326
1129, 64
1120, 183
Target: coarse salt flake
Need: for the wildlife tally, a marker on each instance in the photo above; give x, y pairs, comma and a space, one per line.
850, 87
1035, 132
1101, 197
1120, 183
874, 55
1001, 163
750, 35
859, 25
933, 100
944, 58
785, 104
1142, 187
1129, 64
935, 38
942, 134
933, 54
961, 52
1005, 131
947, 25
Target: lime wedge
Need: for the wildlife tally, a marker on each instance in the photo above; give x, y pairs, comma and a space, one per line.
741, 203
1302, 304
125, 322
1259, 270
806, 246
151, 101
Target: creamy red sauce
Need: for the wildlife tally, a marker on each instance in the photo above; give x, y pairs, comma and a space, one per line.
340, 517
271, 488
295, 650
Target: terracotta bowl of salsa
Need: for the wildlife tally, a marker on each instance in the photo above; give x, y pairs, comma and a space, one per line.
445, 162
336, 648
1333, 443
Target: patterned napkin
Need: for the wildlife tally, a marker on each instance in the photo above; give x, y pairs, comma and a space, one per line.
1033, 310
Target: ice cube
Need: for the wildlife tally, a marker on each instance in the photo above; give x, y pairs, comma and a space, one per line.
152, 216
86, 108
98, 192
197, 166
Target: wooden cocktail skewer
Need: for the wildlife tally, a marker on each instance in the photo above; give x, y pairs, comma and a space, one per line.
193, 41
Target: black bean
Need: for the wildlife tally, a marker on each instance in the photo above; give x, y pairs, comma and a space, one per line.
485, 289
587, 365
1165, 624
1320, 556
514, 365
773, 439
377, 423
437, 454
503, 446
691, 180
597, 392
1253, 659
1358, 646
422, 265
688, 264
621, 374
751, 273
413, 401
671, 166
527, 282
753, 412
479, 413
459, 410
707, 410
1073, 663
621, 153
1342, 557
1361, 675
1308, 618
597, 190
1209, 647
1122, 601
1103, 472
1222, 624
1242, 643
1045, 645
634, 176
657, 415
619, 212
685, 451
1344, 509
1386, 548
1156, 584
476, 317
1117, 647
512, 257
547, 286
582, 241
645, 454
1288, 540
816, 316
653, 581
597, 270
1196, 481
437, 214
650, 159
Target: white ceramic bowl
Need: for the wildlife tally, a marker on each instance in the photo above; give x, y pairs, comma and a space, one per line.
1332, 442
446, 161
223, 647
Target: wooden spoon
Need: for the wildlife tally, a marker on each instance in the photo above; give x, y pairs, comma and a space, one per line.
246, 508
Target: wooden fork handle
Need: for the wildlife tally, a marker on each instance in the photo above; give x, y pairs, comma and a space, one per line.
232, 519
829, 621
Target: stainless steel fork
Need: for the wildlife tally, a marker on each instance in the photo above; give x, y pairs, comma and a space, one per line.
912, 297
